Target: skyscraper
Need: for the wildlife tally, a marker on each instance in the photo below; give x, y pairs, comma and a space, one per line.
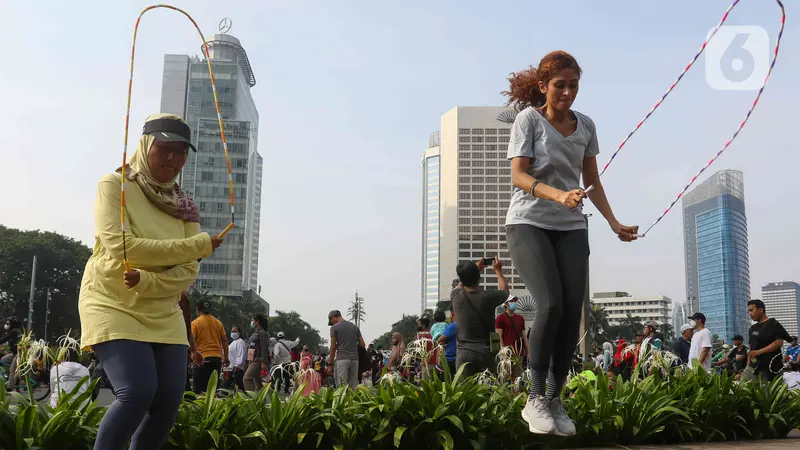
716, 253
470, 201
186, 91
782, 301
680, 315
430, 224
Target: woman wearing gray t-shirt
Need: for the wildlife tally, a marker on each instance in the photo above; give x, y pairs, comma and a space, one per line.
551, 148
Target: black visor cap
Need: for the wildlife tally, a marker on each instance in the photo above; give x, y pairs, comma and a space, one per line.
169, 130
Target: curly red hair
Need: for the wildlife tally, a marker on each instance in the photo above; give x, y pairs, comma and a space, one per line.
524, 85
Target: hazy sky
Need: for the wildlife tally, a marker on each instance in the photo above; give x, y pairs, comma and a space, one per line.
348, 93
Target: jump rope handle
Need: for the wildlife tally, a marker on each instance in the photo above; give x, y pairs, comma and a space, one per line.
225, 231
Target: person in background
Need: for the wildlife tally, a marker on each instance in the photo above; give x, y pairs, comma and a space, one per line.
307, 377
65, 376
793, 352
12, 335
424, 334
257, 353
398, 350
345, 340
130, 316
652, 338
209, 335
682, 343
766, 339
237, 352
510, 326
281, 372
736, 359
608, 355
439, 324
475, 309
449, 341
700, 348
723, 352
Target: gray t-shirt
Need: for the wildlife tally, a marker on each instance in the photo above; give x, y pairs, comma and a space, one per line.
557, 162
346, 335
475, 316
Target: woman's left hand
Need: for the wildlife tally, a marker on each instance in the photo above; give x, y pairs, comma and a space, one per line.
131, 278
624, 232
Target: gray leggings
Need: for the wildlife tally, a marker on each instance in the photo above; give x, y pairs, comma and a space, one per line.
148, 380
553, 265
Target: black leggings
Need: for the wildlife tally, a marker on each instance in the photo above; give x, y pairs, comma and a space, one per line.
553, 265
148, 381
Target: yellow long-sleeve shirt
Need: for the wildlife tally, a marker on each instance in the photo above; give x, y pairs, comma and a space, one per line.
163, 248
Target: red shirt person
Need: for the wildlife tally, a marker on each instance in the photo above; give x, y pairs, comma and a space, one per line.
511, 328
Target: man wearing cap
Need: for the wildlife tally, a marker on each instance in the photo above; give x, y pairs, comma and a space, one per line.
282, 362
700, 349
510, 326
345, 340
652, 340
683, 343
212, 343
736, 358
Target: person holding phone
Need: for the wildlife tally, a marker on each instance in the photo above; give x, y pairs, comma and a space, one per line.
475, 308
130, 317
552, 149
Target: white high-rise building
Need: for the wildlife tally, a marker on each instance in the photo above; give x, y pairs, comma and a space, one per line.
618, 305
466, 192
186, 91
782, 301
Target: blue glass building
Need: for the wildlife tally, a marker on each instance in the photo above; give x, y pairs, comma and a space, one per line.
716, 253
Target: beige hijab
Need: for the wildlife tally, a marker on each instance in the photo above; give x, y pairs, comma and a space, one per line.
168, 197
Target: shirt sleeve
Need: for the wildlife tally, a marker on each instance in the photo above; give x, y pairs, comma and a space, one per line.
593, 148
497, 298
705, 341
781, 333
449, 332
140, 251
499, 323
523, 135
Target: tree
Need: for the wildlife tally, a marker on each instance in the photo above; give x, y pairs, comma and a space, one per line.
293, 327
598, 317
668, 333
383, 341
356, 311
60, 262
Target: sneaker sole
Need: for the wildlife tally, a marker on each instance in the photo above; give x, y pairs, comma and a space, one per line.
559, 433
538, 431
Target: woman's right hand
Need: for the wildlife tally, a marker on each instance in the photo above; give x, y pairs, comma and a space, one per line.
572, 199
216, 241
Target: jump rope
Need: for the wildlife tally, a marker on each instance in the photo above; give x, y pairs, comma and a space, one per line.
588, 188
675, 83
127, 121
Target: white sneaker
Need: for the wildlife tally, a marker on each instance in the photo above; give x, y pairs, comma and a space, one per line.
564, 425
537, 413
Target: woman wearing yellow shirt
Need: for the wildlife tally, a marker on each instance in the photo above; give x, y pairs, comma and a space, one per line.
132, 320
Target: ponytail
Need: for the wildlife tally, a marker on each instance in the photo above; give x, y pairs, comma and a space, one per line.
523, 88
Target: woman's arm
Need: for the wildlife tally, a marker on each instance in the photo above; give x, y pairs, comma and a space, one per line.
171, 281
598, 197
523, 180
141, 251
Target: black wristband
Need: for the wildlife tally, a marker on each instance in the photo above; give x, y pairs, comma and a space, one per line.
533, 186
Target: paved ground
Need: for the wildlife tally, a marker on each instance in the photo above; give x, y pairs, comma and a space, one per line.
793, 441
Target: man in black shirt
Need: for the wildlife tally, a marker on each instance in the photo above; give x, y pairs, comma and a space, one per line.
766, 340
475, 308
682, 343
736, 360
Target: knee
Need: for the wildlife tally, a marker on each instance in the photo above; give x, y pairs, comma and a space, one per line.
551, 310
136, 392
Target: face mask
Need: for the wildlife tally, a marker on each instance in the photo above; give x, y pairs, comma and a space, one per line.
234, 336
512, 306
7, 327
253, 324
692, 323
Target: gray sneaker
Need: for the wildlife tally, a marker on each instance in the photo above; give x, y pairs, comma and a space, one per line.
537, 413
564, 425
